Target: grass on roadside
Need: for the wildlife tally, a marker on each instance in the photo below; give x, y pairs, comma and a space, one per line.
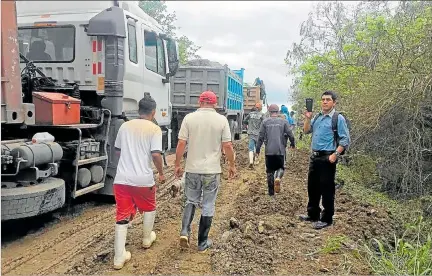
411, 254
411, 251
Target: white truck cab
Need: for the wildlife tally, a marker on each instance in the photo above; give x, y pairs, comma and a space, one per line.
112, 51
74, 42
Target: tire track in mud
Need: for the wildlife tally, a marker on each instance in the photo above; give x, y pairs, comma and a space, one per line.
166, 256
43, 252
41, 244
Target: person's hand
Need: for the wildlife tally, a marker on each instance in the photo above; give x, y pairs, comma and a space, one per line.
308, 114
162, 178
256, 155
178, 171
333, 158
232, 171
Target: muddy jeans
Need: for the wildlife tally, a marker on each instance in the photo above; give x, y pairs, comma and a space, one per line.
205, 184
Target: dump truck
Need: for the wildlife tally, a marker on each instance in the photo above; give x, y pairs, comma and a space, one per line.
252, 95
201, 75
71, 75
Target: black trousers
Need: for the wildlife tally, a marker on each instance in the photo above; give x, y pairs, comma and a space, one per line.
273, 163
321, 183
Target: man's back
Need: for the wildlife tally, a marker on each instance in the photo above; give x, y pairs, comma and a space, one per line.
254, 123
273, 133
137, 139
204, 130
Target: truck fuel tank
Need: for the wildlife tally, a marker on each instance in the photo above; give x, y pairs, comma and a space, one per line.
37, 154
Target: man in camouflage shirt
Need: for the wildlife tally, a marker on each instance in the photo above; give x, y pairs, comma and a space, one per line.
253, 120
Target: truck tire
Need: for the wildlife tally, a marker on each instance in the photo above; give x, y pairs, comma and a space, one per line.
23, 202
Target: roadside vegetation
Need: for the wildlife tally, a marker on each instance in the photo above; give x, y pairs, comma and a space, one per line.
377, 56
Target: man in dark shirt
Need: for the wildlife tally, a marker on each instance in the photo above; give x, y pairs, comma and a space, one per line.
273, 133
325, 152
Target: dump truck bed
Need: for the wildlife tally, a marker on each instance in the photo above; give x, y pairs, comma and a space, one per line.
191, 81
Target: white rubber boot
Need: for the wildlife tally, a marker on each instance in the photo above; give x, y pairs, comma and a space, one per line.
121, 256
256, 160
251, 159
149, 236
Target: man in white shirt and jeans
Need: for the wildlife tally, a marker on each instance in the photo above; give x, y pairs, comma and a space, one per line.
206, 133
138, 142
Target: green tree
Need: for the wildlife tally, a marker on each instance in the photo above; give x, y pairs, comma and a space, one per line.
158, 10
379, 61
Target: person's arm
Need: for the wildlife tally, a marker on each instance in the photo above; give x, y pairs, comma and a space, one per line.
156, 151
307, 127
343, 133
288, 132
180, 150
183, 137
261, 136
118, 141
246, 120
227, 146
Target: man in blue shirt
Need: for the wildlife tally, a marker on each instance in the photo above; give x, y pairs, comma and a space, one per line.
322, 166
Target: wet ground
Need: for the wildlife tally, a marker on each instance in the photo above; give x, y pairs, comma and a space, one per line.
252, 234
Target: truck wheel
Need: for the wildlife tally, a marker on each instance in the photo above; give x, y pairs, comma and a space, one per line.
23, 202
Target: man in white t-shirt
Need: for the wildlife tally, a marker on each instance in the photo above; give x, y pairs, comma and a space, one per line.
206, 133
139, 142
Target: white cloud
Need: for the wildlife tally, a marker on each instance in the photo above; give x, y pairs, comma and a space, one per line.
254, 35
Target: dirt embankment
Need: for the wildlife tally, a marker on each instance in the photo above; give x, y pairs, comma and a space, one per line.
251, 233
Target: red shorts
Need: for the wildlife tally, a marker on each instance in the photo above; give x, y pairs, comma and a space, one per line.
130, 198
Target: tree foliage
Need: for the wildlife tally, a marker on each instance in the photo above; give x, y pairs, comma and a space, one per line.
378, 57
158, 10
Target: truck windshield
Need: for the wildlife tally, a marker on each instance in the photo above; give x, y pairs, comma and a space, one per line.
47, 44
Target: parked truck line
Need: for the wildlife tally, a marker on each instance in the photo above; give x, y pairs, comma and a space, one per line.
198, 76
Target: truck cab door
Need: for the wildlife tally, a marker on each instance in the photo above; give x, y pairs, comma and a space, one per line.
155, 70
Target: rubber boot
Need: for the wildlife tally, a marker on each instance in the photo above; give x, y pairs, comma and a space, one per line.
251, 159
204, 228
121, 256
277, 180
149, 236
188, 215
270, 183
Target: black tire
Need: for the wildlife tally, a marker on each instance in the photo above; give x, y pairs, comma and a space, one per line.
23, 202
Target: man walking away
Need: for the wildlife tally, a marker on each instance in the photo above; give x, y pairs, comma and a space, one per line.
273, 132
253, 120
138, 142
327, 145
206, 132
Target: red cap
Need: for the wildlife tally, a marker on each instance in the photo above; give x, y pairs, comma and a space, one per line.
208, 97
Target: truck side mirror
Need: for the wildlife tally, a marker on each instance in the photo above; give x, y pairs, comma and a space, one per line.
173, 56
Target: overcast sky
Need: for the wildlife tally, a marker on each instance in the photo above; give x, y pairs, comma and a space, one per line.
254, 35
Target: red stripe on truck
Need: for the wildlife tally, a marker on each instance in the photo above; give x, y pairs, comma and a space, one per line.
99, 67
94, 68
99, 46
94, 46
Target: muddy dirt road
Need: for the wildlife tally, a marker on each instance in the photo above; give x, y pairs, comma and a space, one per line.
265, 237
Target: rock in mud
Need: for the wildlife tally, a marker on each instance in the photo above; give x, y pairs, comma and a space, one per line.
234, 223
261, 227
323, 269
226, 236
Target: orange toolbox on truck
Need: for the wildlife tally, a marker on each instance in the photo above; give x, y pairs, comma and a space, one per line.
56, 109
